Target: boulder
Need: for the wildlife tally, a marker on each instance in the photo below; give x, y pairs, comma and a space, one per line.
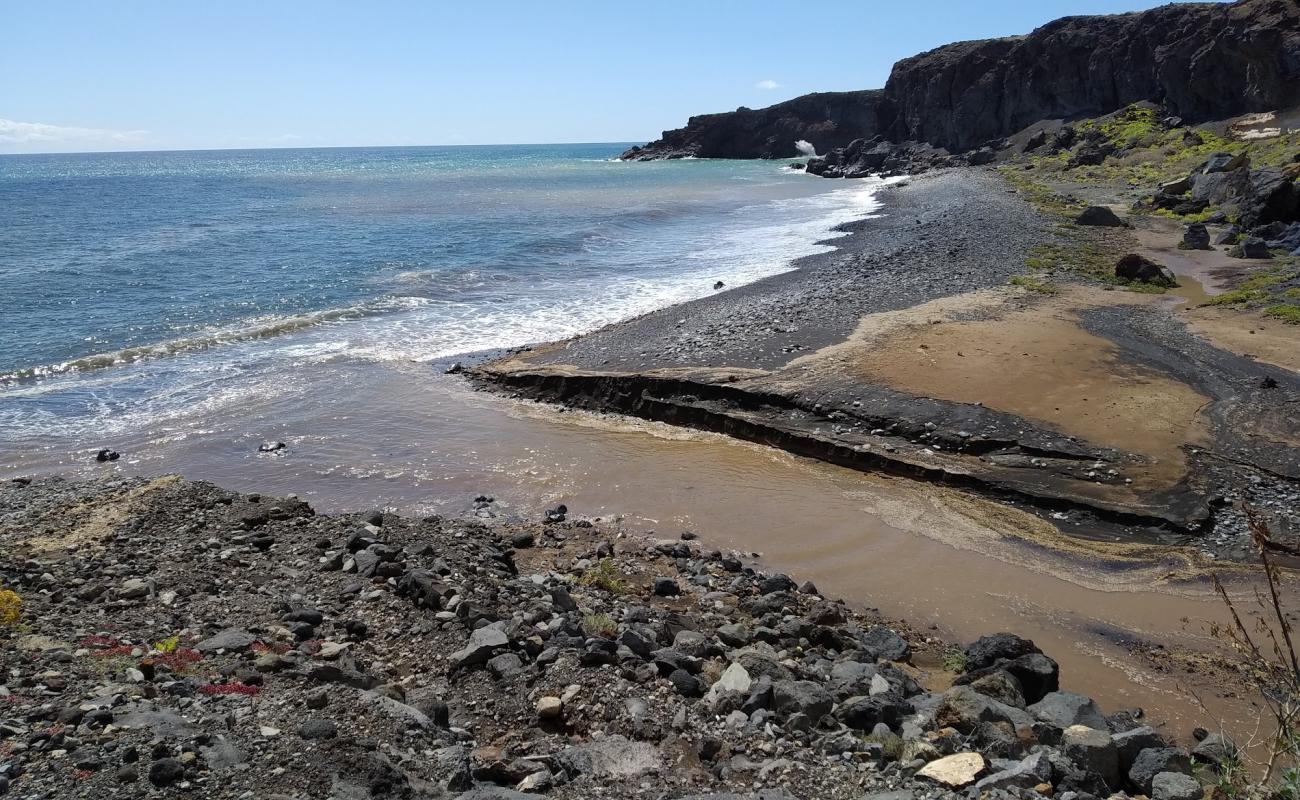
1131, 743
1140, 269
987, 651
735, 678
1064, 709
1282, 237
1037, 674
1252, 247
882, 643
1225, 162
1099, 216
1176, 786
1221, 187
1000, 686
954, 771
1195, 237
232, 640
965, 709
865, 713
612, 756
1155, 760
1229, 235
1215, 749
1092, 750
484, 643
1271, 196
801, 697
1032, 771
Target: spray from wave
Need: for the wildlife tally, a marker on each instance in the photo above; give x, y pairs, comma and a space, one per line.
805, 148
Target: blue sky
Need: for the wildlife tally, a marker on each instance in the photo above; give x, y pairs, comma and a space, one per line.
83, 76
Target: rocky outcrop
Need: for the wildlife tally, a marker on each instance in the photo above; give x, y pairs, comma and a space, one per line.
1198, 61
827, 119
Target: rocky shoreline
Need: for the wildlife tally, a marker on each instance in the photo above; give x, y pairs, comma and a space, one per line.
177, 639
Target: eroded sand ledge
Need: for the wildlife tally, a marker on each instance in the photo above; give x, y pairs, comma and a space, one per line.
905, 352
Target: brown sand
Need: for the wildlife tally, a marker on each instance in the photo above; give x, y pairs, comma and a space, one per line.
1031, 358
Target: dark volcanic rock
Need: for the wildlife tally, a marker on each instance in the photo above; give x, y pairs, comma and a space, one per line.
1133, 267
1201, 61
1099, 215
1195, 237
826, 119
987, 651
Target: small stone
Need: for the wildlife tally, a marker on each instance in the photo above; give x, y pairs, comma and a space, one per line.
666, 587
165, 772
318, 729
550, 708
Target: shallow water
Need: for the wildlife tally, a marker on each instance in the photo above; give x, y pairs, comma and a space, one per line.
414, 440
140, 288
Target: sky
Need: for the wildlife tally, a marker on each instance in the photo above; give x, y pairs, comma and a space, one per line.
161, 74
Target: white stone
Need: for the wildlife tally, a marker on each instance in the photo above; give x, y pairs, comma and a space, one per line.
956, 770
734, 678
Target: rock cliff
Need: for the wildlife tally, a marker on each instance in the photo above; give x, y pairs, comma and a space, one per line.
1198, 61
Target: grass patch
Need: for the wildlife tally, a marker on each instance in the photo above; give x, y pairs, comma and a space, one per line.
602, 625
1237, 297
1254, 289
605, 575
1034, 284
1288, 313
891, 745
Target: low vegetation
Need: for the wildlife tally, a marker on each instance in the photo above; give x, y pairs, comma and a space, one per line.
1287, 312
11, 608
1147, 153
1262, 639
1264, 288
1034, 284
601, 625
605, 575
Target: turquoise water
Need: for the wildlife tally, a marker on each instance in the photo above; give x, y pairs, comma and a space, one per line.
143, 287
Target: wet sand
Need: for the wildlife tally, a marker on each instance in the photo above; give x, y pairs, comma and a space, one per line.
418, 442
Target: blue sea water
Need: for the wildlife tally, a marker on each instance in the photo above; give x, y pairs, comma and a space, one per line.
141, 287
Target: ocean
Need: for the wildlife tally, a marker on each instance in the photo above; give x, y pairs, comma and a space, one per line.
163, 304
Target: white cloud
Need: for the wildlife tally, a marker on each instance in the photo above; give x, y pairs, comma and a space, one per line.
768, 84
32, 137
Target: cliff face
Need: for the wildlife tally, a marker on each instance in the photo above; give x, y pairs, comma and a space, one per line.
1199, 61
827, 119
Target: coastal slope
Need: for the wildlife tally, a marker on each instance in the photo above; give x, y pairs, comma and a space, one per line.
1198, 61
